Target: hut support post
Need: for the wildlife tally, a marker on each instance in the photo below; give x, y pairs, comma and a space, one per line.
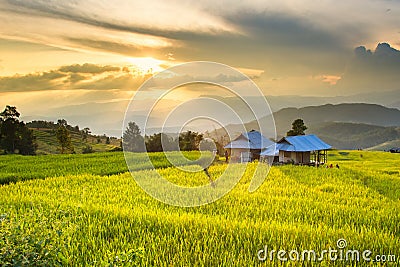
325, 156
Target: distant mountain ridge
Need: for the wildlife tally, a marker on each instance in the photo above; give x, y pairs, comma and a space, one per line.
345, 135
352, 113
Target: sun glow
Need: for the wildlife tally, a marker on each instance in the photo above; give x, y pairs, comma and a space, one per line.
146, 64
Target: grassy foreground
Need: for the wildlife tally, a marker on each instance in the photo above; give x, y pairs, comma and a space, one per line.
107, 220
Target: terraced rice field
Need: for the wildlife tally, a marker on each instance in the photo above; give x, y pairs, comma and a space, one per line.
90, 212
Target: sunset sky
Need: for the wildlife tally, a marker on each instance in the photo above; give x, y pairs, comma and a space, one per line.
55, 54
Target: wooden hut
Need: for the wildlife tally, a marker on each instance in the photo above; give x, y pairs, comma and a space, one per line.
247, 146
302, 149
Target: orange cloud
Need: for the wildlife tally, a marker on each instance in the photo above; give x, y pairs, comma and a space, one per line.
331, 79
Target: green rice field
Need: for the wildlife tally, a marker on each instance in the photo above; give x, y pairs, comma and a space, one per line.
87, 210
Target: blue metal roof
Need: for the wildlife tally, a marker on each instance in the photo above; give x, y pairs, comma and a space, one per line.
302, 143
250, 140
271, 151
241, 143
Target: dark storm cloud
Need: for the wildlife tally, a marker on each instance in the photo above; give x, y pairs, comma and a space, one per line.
372, 70
276, 42
274, 29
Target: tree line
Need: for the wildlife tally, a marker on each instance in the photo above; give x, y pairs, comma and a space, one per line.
187, 141
17, 137
134, 141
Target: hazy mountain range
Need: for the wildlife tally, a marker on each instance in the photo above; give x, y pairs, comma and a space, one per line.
108, 117
344, 135
346, 122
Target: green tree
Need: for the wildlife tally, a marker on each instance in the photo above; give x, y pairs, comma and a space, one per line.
189, 141
298, 128
64, 137
132, 139
9, 127
62, 122
41, 124
85, 133
26, 143
15, 135
87, 149
160, 142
